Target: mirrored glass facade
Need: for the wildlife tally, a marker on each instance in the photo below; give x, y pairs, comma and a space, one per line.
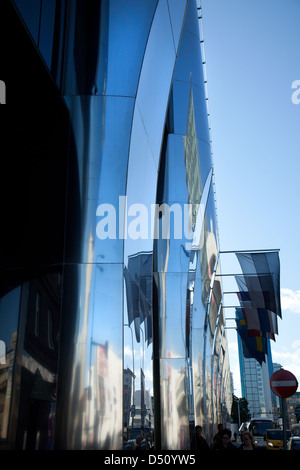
110, 305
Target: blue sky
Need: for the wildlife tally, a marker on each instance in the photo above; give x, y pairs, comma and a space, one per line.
252, 59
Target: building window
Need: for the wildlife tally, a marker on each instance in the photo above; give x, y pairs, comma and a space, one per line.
37, 315
50, 330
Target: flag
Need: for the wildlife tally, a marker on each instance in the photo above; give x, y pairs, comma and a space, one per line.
261, 279
257, 291
253, 347
260, 322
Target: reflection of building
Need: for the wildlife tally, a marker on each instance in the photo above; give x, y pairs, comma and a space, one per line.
143, 410
35, 365
117, 102
128, 398
6, 369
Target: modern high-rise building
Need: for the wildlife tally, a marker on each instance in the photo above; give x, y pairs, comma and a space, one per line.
255, 383
109, 244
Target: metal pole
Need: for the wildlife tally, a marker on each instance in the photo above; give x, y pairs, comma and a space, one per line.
245, 274
251, 251
283, 411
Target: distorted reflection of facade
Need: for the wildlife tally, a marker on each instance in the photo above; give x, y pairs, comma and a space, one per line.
108, 337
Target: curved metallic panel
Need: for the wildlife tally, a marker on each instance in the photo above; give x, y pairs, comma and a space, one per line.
102, 129
177, 12
30, 12
91, 355
174, 404
106, 46
190, 65
128, 29
92, 366
172, 315
155, 78
86, 48
185, 179
47, 30
146, 141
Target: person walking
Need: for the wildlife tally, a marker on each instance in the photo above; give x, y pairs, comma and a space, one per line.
199, 441
247, 443
225, 441
217, 437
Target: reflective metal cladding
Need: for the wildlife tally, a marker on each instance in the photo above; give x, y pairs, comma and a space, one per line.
120, 332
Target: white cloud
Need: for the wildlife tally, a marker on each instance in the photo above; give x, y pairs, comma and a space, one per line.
296, 344
290, 300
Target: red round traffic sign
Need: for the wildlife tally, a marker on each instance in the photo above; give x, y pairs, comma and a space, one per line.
283, 383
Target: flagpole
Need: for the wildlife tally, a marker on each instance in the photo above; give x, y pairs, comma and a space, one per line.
274, 250
246, 274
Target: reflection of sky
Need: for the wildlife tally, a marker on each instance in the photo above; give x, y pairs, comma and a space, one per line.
155, 79
105, 303
138, 357
152, 99
129, 24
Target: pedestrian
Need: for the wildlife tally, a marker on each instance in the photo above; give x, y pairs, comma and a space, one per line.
217, 437
247, 443
199, 443
138, 443
225, 442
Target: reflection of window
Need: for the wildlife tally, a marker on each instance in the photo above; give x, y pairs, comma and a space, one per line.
37, 315
50, 330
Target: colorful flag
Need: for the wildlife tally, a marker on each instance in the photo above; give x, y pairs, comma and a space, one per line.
253, 347
260, 322
260, 280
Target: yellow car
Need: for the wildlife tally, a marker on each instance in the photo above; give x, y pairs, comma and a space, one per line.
274, 438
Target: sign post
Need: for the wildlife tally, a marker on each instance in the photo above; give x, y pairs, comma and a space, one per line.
284, 384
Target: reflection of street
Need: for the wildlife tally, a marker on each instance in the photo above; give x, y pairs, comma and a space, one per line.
101, 407
174, 408
6, 373
137, 393
29, 374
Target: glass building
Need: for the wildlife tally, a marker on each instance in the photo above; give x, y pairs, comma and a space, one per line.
110, 308
255, 383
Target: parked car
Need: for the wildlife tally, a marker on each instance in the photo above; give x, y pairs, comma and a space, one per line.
293, 443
